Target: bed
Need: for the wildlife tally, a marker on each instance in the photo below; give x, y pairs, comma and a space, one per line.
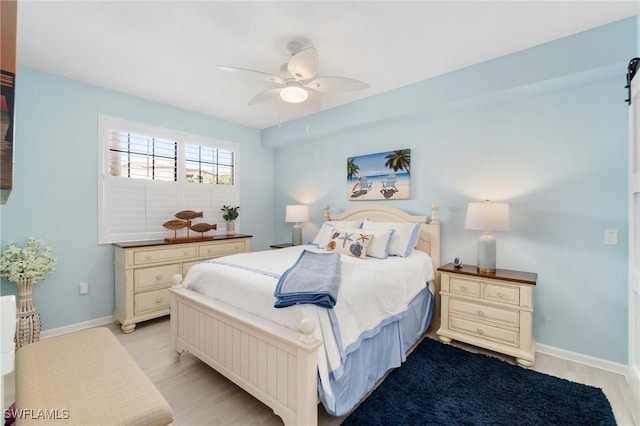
284, 364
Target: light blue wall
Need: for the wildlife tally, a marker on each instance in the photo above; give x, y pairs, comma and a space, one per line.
544, 129
55, 185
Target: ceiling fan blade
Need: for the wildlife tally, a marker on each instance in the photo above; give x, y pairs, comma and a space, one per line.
265, 96
336, 84
313, 101
257, 75
304, 64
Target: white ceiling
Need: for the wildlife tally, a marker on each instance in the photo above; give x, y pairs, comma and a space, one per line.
167, 51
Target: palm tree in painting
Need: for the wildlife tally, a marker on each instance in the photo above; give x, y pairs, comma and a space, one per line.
399, 160
352, 168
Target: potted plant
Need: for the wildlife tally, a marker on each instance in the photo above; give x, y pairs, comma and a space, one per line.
230, 215
27, 266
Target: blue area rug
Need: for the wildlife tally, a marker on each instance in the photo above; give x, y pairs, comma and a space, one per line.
443, 385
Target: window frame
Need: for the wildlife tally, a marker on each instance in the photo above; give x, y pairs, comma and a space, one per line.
182, 189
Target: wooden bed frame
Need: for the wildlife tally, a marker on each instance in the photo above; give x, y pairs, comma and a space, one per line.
275, 364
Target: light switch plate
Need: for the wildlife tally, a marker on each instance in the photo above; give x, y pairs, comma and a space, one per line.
610, 237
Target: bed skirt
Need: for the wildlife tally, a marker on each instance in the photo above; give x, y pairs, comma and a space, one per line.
380, 351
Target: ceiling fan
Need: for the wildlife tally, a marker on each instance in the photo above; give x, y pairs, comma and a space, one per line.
298, 81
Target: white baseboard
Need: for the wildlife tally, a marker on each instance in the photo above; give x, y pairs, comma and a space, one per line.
579, 358
76, 327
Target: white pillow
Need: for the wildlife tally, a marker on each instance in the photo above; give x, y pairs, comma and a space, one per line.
403, 240
323, 235
379, 245
353, 242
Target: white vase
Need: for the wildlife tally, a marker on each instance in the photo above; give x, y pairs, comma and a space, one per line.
231, 227
28, 317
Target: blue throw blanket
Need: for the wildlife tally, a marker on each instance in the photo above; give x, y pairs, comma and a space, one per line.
314, 279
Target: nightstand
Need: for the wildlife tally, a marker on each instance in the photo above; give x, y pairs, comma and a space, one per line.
279, 246
490, 310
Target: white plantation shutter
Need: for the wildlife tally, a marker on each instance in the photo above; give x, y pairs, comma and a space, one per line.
145, 177
209, 199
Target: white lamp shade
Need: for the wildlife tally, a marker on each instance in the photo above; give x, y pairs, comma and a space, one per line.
297, 213
487, 216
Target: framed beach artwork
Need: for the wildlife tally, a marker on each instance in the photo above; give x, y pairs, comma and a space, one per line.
381, 176
8, 69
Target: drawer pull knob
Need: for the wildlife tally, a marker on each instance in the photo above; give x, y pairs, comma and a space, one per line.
480, 313
463, 288
186, 253
480, 331
158, 277
500, 294
149, 257
159, 300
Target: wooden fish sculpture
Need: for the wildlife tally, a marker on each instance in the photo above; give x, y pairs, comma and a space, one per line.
203, 227
175, 224
188, 215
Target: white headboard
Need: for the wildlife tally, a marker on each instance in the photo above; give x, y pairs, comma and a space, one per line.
429, 240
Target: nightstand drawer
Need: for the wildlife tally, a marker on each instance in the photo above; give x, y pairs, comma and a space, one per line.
151, 301
503, 294
483, 312
152, 256
161, 276
484, 331
464, 287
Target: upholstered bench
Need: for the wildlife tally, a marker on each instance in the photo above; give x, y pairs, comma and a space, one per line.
85, 378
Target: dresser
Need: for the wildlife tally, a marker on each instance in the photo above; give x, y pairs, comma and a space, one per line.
490, 310
144, 272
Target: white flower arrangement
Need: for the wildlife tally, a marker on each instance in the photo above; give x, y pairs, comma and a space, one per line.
32, 261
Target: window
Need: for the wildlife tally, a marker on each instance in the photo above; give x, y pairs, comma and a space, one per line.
142, 157
147, 174
209, 165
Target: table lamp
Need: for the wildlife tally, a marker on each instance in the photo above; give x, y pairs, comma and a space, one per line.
297, 214
487, 217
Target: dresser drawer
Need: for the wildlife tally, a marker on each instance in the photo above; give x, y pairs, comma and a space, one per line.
151, 301
215, 250
464, 287
153, 256
187, 265
483, 312
501, 293
157, 277
502, 335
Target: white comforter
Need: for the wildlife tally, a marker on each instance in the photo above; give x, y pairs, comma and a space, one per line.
370, 291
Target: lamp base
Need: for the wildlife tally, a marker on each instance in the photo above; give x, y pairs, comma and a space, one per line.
296, 234
486, 253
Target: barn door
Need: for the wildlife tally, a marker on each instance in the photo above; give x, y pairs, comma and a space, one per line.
634, 237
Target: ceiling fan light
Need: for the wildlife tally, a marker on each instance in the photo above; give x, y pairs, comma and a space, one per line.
293, 94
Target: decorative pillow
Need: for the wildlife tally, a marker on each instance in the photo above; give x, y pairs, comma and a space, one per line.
322, 237
403, 240
352, 242
379, 245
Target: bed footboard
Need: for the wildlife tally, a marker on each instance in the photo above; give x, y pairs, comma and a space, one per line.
273, 363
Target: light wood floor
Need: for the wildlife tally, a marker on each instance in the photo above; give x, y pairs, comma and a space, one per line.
200, 396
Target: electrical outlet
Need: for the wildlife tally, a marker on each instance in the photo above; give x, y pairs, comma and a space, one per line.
611, 237
84, 288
